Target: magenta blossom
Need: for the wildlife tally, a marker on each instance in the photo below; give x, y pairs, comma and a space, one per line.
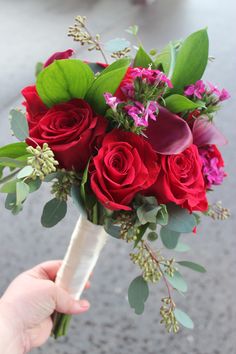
197, 89
140, 114
111, 101
152, 77
212, 165
221, 94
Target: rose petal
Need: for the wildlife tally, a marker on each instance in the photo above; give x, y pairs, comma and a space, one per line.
206, 133
169, 134
58, 55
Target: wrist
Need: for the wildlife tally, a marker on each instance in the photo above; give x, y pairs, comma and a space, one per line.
13, 340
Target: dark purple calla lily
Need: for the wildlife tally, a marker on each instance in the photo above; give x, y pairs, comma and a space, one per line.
206, 133
57, 56
169, 134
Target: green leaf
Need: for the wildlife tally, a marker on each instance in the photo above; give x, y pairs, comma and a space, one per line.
38, 68
162, 215
120, 63
108, 81
152, 236
142, 230
116, 45
178, 282
191, 61
22, 191
9, 187
13, 150
181, 247
10, 201
75, 195
9, 162
194, 266
169, 238
83, 183
63, 80
142, 59
34, 185
147, 213
137, 294
111, 229
178, 103
166, 59
53, 212
183, 318
19, 125
25, 172
180, 220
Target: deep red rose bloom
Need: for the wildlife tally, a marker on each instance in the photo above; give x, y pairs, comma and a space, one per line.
35, 108
58, 56
125, 165
181, 181
126, 80
72, 131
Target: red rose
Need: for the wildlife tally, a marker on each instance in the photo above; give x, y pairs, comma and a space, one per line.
125, 165
35, 108
58, 56
72, 131
181, 181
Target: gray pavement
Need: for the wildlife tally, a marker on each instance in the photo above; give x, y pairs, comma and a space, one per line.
31, 31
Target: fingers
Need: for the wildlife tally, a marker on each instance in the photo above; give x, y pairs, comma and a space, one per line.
47, 270
66, 304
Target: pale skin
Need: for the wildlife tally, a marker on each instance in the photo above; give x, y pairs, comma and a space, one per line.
27, 305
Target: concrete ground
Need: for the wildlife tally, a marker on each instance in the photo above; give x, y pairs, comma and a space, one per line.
31, 31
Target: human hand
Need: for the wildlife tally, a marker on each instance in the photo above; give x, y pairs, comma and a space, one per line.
30, 300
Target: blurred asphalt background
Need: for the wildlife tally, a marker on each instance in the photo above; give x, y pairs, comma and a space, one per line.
30, 31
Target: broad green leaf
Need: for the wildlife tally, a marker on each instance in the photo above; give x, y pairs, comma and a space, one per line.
183, 319
178, 282
25, 172
34, 185
22, 192
19, 125
120, 63
137, 294
181, 247
178, 103
142, 59
166, 59
13, 150
162, 215
9, 187
108, 81
169, 238
75, 195
194, 266
116, 45
63, 80
1, 171
191, 61
180, 220
9, 162
53, 212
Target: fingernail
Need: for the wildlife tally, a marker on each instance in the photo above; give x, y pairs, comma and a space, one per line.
84, 304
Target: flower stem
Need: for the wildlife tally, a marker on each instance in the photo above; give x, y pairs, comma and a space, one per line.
60, 324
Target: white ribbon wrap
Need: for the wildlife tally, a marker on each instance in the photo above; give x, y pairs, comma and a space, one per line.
86, 243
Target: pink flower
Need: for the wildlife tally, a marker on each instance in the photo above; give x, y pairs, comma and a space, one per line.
111, 101
152, 77
140, 114
212, 165
59, 55
196, 89
222, 95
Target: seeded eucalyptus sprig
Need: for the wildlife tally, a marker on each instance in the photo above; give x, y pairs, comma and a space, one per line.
217, 212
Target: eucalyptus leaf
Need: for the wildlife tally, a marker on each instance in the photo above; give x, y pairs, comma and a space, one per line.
178, 282
25, 172
169, 238
116, 45
34, 184
162, 215
53, 212
183, 319
137, 294
9, 187
142, 59
194, 266
191, 61
142, 230
111, 229
181, 247
19, 125
180, 220
178, 103
10, 201
22, 192
146, 214
63, 80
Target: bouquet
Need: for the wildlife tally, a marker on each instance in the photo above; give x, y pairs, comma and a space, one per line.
134, 145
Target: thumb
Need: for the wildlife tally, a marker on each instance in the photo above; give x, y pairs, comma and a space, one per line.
64, 303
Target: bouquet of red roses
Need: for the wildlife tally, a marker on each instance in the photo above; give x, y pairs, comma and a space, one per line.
133, 143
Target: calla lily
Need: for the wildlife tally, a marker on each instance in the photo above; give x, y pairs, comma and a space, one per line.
58, 55
169, 134
205, 133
